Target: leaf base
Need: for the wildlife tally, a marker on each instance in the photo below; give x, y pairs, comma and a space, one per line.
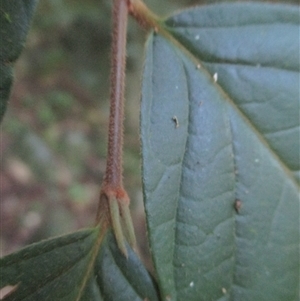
114, 211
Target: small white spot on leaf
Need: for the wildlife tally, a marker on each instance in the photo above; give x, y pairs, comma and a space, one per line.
175, 119
192, 284
197, 37
215, 77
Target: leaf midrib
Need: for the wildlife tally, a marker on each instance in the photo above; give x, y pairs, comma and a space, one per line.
181, 176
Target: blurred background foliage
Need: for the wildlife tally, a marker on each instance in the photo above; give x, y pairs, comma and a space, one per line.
53, 137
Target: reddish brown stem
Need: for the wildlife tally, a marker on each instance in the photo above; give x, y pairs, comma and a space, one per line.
143, 15
113, 210
113, 177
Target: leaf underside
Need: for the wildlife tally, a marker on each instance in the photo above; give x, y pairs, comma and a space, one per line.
55, 270
15, 17
219, 127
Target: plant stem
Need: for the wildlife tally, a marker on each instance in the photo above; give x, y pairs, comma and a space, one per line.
113, 176
145, 17
113, 209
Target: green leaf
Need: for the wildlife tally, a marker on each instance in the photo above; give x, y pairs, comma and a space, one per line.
51, 268
219, 127
15, 17
59, 269
121, 278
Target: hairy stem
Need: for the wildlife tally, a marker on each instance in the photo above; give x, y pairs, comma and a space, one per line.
113, 176
113, 209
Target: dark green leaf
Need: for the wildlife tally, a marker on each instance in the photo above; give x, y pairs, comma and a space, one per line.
220, 126
120, 278
49, 270
15, 17
55, 269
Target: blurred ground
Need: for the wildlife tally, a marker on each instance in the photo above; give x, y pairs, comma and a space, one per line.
53, 137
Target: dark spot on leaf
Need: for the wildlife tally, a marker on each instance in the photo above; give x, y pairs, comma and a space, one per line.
237, 205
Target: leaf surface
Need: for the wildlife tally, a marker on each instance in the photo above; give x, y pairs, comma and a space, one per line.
57, 269
219, 127
15, 17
